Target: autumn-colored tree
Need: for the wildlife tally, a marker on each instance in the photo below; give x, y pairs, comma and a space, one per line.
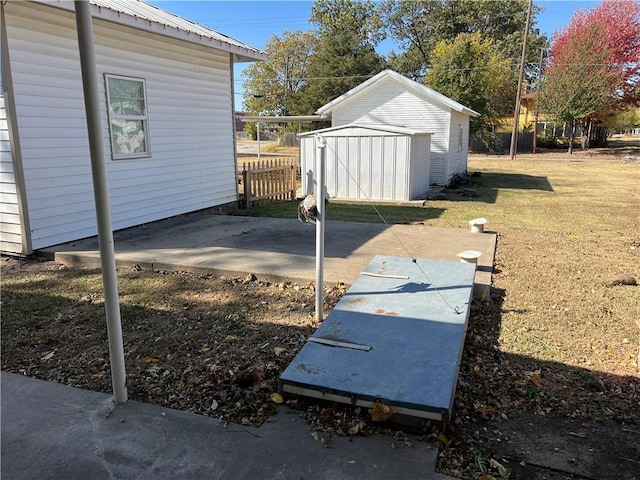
620, 23
579, 84
593, 68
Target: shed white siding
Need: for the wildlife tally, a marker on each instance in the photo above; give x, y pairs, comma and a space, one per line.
10, 229
390, 103
389, 98
189, 103
369, 164
459, 144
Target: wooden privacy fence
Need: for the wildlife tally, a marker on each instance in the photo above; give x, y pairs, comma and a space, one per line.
268, 180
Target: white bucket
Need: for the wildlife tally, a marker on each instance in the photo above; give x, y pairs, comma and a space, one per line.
477, 224
469, 256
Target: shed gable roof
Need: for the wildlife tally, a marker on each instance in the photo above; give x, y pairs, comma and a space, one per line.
418, 89
369, 128
143, 16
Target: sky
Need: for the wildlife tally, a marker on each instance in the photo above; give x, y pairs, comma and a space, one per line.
254, 22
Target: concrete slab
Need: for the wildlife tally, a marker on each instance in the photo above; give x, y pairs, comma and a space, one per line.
395, 337
52, 431
278, 249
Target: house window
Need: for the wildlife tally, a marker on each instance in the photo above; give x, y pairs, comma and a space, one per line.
460, 137
128, 122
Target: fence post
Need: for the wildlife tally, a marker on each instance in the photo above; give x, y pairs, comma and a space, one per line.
247, 185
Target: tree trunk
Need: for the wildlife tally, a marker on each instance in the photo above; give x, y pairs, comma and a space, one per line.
586, 134
571, 136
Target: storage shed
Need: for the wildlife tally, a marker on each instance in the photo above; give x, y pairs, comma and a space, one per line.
167, 113
393, 99
369, 162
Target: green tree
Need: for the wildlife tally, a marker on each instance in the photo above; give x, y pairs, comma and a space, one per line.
272, 87
344, 56
418, 25
474, 71
578, 84
622, 121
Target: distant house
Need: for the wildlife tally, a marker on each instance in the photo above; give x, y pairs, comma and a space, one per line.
394, 100
167, 114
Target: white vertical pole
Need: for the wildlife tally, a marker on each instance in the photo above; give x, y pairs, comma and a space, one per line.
258, 131
101, 196
321, 190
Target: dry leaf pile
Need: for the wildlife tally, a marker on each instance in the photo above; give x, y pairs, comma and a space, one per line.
213, 346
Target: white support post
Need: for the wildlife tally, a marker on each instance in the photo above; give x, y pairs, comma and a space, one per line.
258, 134
101, 195
321, 191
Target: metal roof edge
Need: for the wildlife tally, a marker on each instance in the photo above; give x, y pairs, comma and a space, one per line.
164, 23
283, 118
378, 127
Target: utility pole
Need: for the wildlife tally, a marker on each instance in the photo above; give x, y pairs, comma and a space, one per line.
516, 115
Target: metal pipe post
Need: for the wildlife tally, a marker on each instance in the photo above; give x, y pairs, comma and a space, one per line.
101, 196
321, 191
258, 136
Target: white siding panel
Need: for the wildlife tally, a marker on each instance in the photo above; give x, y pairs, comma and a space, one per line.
8, 197
366, 164
5, 157
189, 120
10, 229
10, 224
10, 209
9, 242
420, 163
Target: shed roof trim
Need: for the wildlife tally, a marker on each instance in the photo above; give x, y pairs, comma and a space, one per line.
421, 90
143, 16
379, 128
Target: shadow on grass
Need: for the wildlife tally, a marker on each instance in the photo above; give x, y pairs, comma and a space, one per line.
485, 187
368, 212
536, 414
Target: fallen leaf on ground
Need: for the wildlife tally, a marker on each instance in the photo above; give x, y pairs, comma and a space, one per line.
381, 412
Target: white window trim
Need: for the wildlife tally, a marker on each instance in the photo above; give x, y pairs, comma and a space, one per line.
144, 118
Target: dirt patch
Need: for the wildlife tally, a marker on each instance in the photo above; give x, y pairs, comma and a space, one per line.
556, 448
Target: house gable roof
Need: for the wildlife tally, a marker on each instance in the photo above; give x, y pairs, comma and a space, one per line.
143, 16
418, 89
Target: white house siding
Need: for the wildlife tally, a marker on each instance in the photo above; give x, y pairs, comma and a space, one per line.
390, 103
190, 124
458, 154
10, 230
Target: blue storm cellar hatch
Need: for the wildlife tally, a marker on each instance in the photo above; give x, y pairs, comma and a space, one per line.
395, 337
